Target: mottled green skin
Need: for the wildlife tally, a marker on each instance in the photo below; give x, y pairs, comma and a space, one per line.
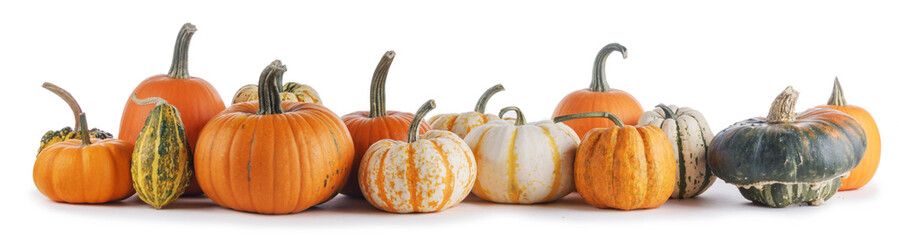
161, 162
67, 133
821, 145
782, 195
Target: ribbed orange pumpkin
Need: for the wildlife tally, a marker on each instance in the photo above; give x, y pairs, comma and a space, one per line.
273, 157
623, 167
862, 174
368, 127
196, 99
599, 97
85, 170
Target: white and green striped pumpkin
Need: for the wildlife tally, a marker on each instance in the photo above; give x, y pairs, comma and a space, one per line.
689, 135
523, 163
161, 162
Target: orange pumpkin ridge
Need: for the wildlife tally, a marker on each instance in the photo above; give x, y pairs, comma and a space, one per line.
864, 172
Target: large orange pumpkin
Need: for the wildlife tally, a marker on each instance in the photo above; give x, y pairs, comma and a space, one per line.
623, 167
368, 127
599, 97
85, 170
862, 174
273, 157
197, 100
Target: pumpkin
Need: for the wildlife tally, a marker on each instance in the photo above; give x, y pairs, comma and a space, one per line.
84, 170
161, 162
289, 92
623, 167
196, 99
426, 175
788, 158
462, 123
273, 157
689, 135
67, 133
599, 97
368, 127
523, 163
862, 174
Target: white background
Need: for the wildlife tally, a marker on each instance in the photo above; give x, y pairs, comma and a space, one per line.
727, 60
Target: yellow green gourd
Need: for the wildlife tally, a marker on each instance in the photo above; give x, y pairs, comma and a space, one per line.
161, 162
67, 133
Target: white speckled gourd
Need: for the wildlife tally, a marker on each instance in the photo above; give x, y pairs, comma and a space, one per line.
462, 123
689, 135
523, 163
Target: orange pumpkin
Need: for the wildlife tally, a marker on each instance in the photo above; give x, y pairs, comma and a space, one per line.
623, 167
862, 174
599, 97
85, 170
273, 157
368, 127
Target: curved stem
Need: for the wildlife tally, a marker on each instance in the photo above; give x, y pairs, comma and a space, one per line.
608, 115
836, 97
85, 134
150, 100
67, 97
179, 60
599, 83
782, 109
668, 112
269, 97
416, 121
519, 118
481, 106
378, 105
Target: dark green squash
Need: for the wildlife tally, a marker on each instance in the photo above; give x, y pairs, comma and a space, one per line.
161, 162
67, 133
788, 158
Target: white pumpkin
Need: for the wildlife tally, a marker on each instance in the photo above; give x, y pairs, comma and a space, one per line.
462, 123
523, 163
689, 135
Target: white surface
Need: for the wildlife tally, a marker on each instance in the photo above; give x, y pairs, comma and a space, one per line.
726, 60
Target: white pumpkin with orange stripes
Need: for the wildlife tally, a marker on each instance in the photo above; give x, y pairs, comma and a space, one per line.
523, 163
462, 123
422, 175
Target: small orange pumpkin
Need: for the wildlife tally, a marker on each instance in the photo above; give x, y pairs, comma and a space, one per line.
862, 174
623, 167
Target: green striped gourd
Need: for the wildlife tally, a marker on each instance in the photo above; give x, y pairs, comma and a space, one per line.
67, 133
161, 162
689, 135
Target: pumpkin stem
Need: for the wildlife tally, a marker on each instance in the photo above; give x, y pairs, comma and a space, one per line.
608, 115
179, 60
599, 83
416, 121
519, 119
67, 97
378, 100
482, 101
150, 100
782, 109
85, 134
836, 97
269, 94
668, 112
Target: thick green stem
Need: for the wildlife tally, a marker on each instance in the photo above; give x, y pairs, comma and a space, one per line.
85, 134
836, 97
519, 118
416, 121
377, 95
269, 97
668, 112
599, 83
179, 60
150, 100
482, 101
67, 97
782, 109
607, 115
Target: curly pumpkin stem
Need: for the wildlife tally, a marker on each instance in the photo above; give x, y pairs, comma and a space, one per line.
178, 70
836, 97
668, 112
599, 83
519, 118
416, 121
481, 106
85, 134
607, 115
67, 97
378, 100
269, 94
782, 109
150, 100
